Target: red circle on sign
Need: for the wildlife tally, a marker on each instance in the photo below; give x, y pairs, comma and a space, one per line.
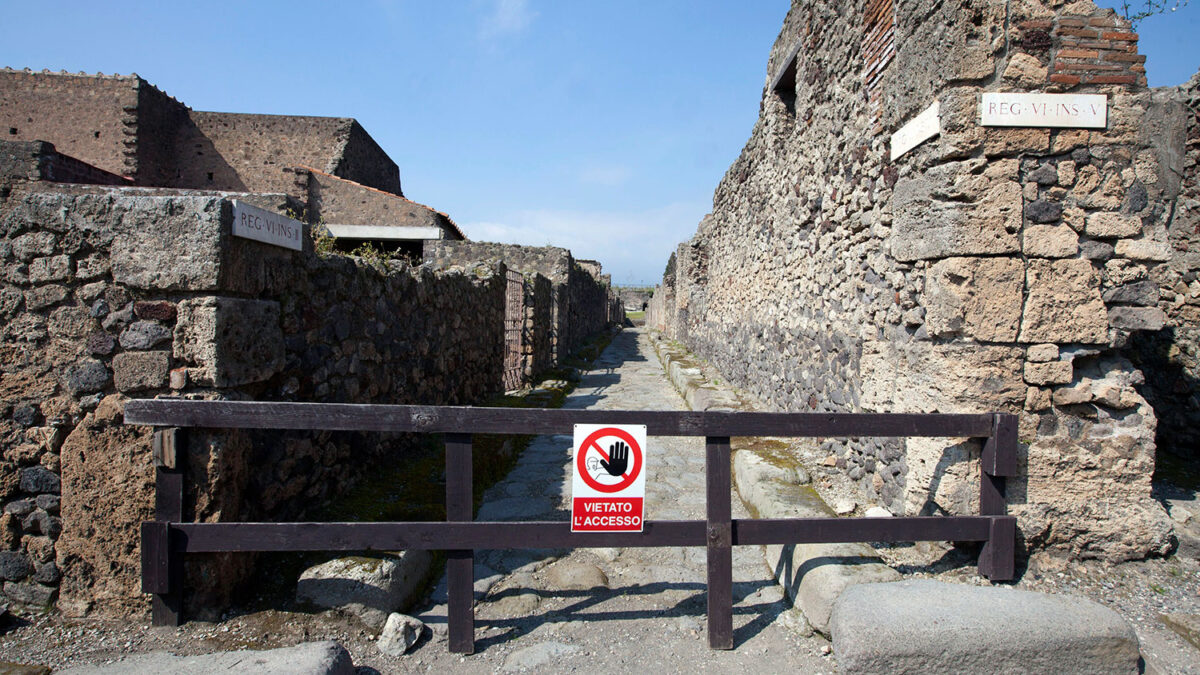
581, 454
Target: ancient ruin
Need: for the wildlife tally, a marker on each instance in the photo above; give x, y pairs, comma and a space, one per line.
856, 260
124, 279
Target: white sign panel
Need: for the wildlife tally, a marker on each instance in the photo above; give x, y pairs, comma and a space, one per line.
919, 129
1073, 111
251, 222
608, 485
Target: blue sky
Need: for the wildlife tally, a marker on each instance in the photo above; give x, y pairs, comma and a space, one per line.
600, 126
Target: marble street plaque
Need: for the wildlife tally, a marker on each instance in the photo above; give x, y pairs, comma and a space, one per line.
251, 222
1072, 111
924, 126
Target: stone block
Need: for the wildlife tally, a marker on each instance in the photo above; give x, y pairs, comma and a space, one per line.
1137, 318
155, 310
230, 341
101, 343
91, 267
399, 634
1012, 140
1110, 225
1080, 393
170, 243
29, 593
926, 626
1041, 353
37, 480
1050, 241
1096, 250
943, 477
144, 335
926, 377
1134, 249
974, 297
1063, 304
927, 226
1052, 372
1025, 70
14, 566
85, 377
44, 296
71, 322
1043, 211
1038, 399
139, 371
1143, 293
369, 587
31, 244
51, 268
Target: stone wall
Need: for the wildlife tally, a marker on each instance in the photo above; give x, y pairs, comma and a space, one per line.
92, 127
115, 293
1170, 357
127, 126
633, 296
582, 305
989, 269
28, 161
338, 201
234, 151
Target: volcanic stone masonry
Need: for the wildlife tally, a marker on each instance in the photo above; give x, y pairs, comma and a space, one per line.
111, 293
1045, 272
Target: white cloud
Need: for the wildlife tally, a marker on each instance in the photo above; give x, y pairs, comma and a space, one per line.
507, 17
633, 246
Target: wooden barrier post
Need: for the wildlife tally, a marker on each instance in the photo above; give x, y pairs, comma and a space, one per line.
460, 563
720, 543
162, 567
997, 560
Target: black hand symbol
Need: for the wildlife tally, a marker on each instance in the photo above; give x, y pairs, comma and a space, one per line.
618, 459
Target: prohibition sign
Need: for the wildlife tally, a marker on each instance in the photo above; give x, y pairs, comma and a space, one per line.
590, 443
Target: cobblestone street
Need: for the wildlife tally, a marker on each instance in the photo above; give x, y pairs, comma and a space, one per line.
616, 609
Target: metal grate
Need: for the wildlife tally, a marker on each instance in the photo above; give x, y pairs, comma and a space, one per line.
514, 321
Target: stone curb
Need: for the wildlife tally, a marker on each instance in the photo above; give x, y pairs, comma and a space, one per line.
813, 575
926, 626
309, 658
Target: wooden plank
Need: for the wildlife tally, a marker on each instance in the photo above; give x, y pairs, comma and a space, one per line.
466, 419
460, 562
155, 557
997, 560
1006, 446
216, 537
843, 530
164, 447
720, 542
999, 456
166, 606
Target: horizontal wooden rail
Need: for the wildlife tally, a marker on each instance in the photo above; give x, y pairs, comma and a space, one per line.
469, 420
221, 537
